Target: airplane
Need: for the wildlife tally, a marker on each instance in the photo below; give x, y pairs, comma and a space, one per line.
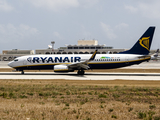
69, 63
155, 55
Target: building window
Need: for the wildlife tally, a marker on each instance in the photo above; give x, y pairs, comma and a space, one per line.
10, 58
70, 48
4, 59
47, 52
86, 53
80, 52
75, 47
86, 47
98, 47
81, 47
75, 52
114, 52
70, 53
98, 52
64, 53
58, 52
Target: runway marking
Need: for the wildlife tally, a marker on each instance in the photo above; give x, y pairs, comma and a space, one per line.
74, 76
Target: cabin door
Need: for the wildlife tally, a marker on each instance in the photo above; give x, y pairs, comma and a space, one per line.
127, 60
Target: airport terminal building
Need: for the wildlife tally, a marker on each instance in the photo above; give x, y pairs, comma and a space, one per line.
83, 47
8, 55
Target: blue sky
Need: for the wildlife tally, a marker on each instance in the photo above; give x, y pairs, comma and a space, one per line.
33, 24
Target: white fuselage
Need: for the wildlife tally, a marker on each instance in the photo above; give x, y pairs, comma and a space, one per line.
101, 61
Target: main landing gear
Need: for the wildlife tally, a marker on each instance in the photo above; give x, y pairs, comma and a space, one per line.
80, 72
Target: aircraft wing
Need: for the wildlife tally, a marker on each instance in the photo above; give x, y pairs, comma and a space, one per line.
82, 64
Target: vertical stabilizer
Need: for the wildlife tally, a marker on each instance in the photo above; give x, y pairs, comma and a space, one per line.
143, 45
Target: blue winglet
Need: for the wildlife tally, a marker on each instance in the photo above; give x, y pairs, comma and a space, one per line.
93, 56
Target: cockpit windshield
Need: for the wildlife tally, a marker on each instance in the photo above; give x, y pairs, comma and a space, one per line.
15, 60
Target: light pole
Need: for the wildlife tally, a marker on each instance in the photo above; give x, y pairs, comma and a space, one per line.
52, 42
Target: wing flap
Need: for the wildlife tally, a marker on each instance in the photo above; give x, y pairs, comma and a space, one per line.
83, 64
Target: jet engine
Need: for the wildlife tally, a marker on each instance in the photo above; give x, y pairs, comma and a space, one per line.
62, 68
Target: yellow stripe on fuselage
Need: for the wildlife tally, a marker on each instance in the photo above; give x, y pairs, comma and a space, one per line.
61, 70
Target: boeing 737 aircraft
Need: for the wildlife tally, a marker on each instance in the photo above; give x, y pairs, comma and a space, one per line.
155, 55
69, 63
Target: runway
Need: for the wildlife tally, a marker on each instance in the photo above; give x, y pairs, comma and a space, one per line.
74, 76
88, 75
145, 65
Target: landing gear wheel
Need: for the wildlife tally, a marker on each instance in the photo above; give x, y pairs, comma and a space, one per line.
80, 72
22, 72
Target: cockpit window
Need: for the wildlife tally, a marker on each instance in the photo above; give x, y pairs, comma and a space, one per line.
15, 60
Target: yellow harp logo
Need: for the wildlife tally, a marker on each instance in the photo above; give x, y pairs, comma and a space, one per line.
144, 42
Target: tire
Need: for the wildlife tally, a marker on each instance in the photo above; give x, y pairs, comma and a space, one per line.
22, 72
80, 72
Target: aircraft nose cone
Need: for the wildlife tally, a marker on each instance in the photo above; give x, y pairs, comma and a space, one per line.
10, 64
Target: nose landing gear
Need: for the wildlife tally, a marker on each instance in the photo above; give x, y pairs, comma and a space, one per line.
22, 72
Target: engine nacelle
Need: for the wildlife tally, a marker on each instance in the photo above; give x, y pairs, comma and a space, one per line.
62, 68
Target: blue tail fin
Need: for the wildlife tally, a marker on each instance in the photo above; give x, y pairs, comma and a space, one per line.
143, 45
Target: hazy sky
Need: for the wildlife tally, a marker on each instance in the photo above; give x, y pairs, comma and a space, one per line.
33, 24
